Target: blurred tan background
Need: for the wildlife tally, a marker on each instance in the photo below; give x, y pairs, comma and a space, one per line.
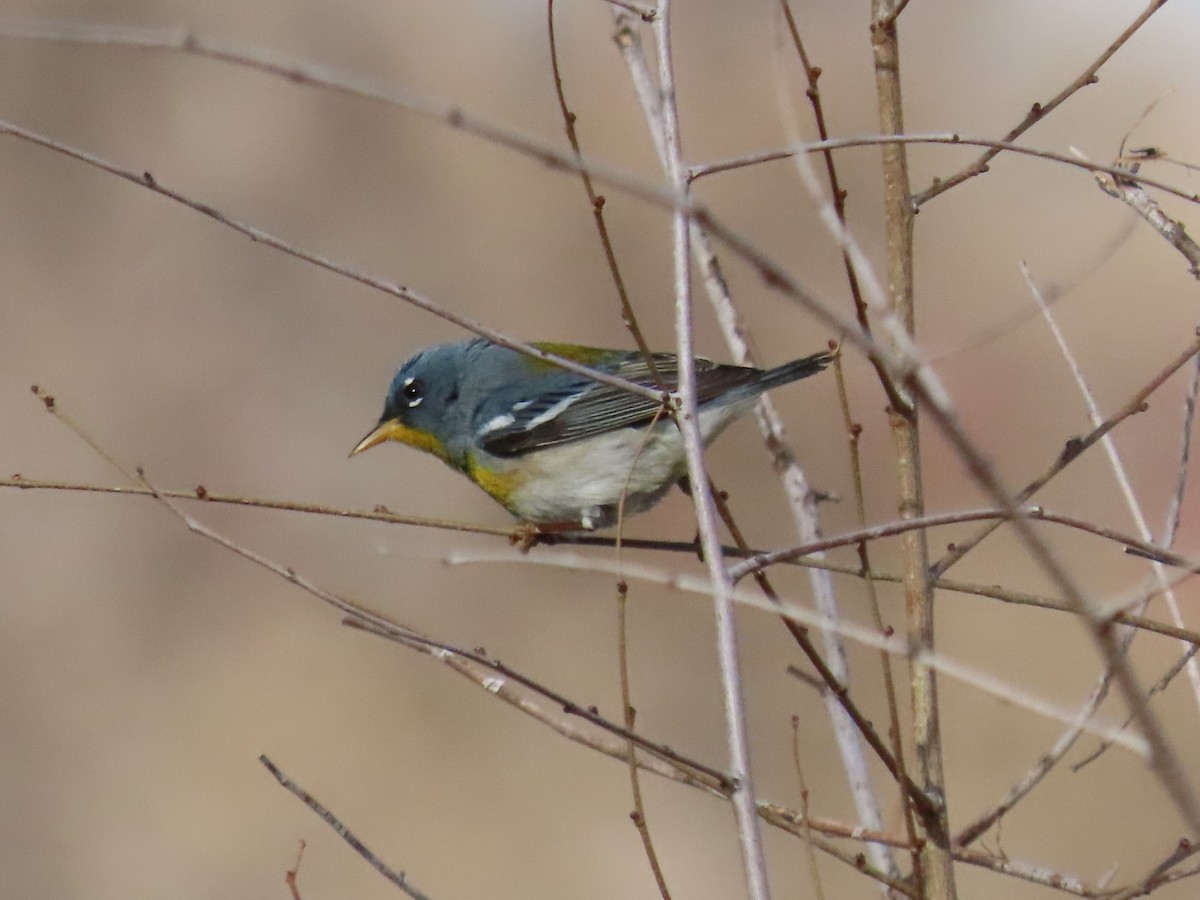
143, 670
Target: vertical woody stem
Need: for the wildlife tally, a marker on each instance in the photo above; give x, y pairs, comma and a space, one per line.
936, 873
744, 808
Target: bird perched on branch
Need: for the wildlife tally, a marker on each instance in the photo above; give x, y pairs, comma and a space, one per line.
556, 449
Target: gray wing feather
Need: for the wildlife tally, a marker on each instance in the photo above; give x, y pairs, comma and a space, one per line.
580, 408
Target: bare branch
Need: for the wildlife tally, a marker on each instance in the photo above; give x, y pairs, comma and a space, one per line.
844, 715
1119, 472
645, 13
381, 514
148, 181
597, 204
1144, 205
1039, 111
399, 879
1073, 449
1074, 160
737, 738
867, 637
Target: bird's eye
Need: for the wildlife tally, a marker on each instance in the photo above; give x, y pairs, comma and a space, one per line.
413, 391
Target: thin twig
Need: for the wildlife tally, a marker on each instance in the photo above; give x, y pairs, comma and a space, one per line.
996, 592
1039, 111
1100, 256
412, 297
898, 8
837, 193
1186, 658
999, 864
1161, 873
399, 879
640, 821
901, 358
737, 737
1164, 762
1145, 206
807, 510
849, 719
1123, 482
853, 433
311, 74
774, 815
645, 13
293, 874
303, 72
794, 823
1023, 598
813, 873
1067, 740
638, 815
384, 628
1073, 449
1075, 160
1173, 231
597, 202
1041, 767
790, 556
992, 591
903, 526
1171, 529
202, 494
597, 205
1173, 511
867, 637
846, 719
931, 395
515, 691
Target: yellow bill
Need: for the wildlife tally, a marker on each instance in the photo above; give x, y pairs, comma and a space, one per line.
395, 430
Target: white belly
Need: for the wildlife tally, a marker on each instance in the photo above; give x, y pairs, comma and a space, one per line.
584, 481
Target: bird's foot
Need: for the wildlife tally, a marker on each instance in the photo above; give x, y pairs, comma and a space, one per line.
527, 535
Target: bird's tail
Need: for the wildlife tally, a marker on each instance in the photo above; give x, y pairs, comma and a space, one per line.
749, 383
794, 370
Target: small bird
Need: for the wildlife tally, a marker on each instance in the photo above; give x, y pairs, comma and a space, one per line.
556, 449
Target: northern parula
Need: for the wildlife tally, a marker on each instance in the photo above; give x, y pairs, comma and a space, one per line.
556, 449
